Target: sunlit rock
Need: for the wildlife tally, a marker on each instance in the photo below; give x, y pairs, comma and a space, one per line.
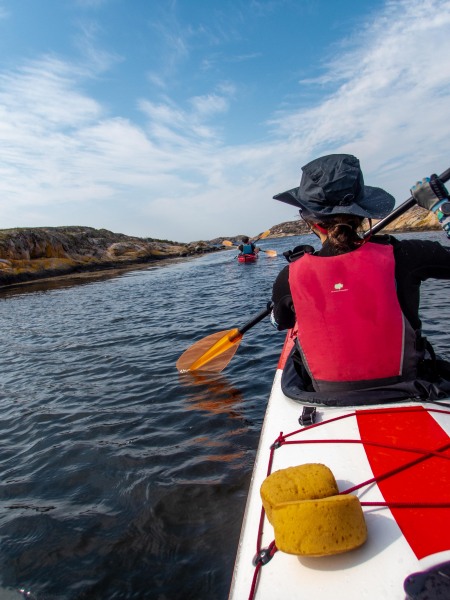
27, 254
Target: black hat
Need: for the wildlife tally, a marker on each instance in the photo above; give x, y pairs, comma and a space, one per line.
333, 185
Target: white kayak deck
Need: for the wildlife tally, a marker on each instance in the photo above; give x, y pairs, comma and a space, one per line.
374, 571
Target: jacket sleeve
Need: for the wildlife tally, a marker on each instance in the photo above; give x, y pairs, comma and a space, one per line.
283, 306
416, 261
421, 259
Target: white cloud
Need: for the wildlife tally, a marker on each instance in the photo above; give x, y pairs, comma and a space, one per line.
391, 103
210, 104
96, 58
174, 177
169, 124
173, 42
43, 94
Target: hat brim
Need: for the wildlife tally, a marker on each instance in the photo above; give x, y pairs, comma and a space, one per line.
376, 203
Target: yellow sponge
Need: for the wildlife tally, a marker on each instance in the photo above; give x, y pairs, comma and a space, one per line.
319, 527
303, 482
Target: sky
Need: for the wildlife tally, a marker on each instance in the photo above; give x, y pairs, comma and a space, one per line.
181, 119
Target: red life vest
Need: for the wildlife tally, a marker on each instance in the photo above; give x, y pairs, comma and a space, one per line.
351, 330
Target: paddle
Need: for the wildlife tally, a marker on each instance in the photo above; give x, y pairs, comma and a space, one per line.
263, 235
270, 253
215, 351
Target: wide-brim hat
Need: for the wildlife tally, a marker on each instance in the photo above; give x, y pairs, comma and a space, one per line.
333, 185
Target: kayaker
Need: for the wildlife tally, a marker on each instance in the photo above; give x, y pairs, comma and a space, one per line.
247, 247
355, 302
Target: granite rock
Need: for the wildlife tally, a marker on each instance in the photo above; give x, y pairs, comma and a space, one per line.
27, 254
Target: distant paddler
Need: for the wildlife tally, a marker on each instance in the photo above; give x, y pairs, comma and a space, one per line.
248, 248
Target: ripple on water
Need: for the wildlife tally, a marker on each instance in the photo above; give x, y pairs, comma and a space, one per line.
120, 477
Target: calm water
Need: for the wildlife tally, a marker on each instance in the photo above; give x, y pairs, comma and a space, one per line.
121, 479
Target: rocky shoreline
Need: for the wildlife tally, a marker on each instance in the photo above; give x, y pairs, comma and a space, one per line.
30, 254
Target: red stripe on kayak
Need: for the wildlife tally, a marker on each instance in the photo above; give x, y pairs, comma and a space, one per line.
288, 344
427, 530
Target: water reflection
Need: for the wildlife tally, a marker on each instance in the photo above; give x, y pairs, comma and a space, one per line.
212, 393
70, 280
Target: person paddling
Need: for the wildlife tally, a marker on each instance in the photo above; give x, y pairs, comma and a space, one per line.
354, 304
247, 247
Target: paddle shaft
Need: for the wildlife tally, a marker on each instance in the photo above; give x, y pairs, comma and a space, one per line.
400, 210
259, 317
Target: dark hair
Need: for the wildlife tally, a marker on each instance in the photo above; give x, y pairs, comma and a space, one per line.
342, 231
245, 239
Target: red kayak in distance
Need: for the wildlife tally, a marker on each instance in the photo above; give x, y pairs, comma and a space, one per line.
247, 258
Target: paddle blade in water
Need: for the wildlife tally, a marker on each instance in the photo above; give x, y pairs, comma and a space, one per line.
211, 353
270, 253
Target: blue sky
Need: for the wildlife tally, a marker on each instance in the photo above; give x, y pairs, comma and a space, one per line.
180, 119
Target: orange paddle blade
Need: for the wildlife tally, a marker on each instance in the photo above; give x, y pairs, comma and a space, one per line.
227, 243
211, 353
271, 253
262, 236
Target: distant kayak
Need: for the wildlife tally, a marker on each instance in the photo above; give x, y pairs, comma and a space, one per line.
247, 258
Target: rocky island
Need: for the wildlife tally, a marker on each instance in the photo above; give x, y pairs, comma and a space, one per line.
28, 254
